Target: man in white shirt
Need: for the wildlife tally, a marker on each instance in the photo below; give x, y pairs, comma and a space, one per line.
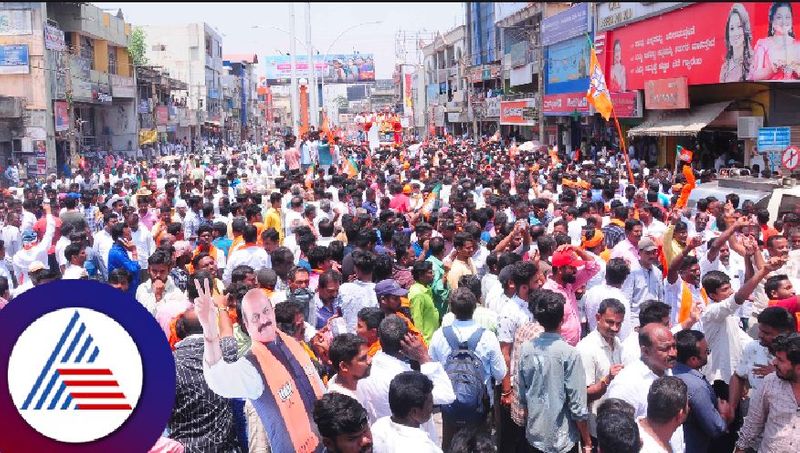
601, 355
394, 358
632, 384
159, 287
294, 216
34, 250
617, 271
660, 428
756, 360
725, 339
651, 226
350, 361
141, 236
76, 256
646, 282
103, 242
411, 401
10, 234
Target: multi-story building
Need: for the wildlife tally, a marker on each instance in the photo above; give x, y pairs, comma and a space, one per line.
162, 110
444, 66
243, 68
192, 53
485, 74
67, 83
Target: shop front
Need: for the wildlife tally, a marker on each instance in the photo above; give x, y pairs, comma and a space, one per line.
566, 72
700, 83
517, 119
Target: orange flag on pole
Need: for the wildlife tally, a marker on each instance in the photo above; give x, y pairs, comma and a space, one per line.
598, 94
687, 188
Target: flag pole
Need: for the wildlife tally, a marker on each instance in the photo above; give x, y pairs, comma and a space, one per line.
619, 128
622, 143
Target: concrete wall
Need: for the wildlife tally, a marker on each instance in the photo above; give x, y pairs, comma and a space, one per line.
184, 55
30, 86
120, 119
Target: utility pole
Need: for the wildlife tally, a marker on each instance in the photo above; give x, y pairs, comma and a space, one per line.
540, 78
312, 79
293, 63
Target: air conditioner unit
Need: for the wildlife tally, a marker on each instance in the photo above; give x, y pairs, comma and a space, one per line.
747, 126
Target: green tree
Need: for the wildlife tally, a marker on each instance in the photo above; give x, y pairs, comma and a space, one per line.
137, 47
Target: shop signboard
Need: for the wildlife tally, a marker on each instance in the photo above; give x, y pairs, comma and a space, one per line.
162, 115
666, 94
567, 66
774, 138
54, 38
493, 107
15, 22
627, 104
566, 24
521, 112
122, 87
615, 14
565, 104
61, 116
339, 68
102, 94
14, 59
692, 42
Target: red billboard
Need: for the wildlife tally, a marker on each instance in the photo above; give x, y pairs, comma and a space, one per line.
522, 112
565, 104
707, 43
666, 94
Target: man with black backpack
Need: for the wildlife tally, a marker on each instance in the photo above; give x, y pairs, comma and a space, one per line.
472, 358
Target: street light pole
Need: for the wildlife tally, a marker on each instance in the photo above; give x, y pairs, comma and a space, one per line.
293, 62
312, 80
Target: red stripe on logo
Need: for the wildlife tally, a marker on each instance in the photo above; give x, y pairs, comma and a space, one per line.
104, 407
97, 395
91, 383
85, 372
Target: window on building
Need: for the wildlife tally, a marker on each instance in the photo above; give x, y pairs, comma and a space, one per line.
112, 60
87, 50
194, 53
158, 48
209, 48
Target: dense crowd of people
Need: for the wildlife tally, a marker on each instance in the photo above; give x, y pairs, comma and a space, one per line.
449, 295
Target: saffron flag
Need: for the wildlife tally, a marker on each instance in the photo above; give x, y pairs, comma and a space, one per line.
350, 168
430, 200
684, 155
598, 94
309, 179
687, 188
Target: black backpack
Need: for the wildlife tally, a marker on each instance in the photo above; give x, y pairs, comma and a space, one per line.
466, 373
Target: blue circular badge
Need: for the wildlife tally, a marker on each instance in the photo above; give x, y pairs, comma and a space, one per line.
88, 369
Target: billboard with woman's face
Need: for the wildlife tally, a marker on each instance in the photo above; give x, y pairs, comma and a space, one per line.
707, 43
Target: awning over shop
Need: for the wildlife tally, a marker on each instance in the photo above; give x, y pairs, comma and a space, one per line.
660, 123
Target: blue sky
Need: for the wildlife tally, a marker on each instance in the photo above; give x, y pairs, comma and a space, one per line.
236, 21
